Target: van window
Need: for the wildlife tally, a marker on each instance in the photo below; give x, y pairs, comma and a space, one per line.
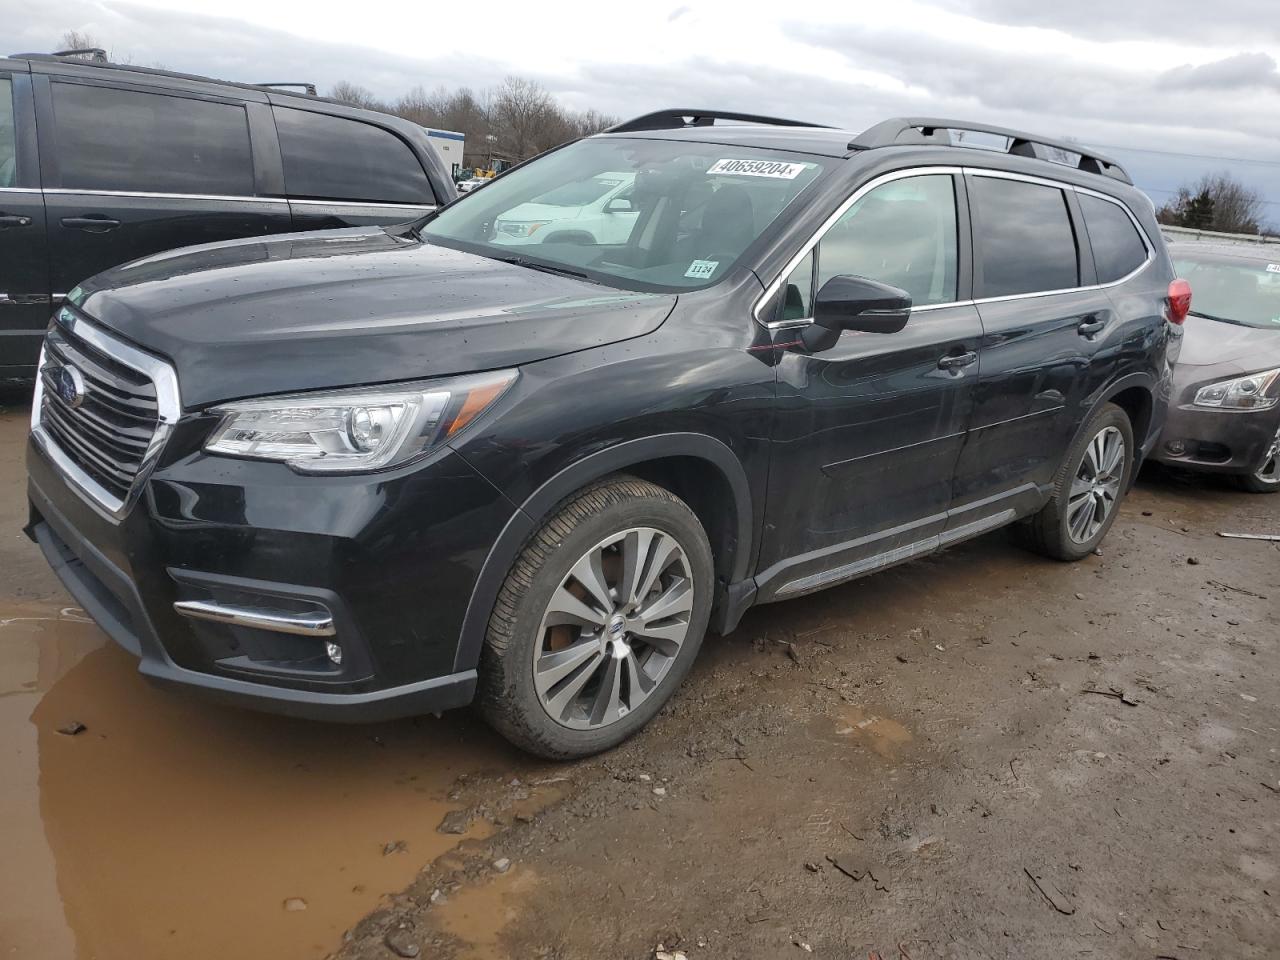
901, 233
111, 139
8, 136
1025, 243
333, 158
1118, 250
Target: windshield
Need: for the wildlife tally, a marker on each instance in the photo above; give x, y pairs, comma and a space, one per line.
681, 216
1237, 290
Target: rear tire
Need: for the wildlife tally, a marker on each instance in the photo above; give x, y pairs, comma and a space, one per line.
598, 621
1265, 479
1093, 479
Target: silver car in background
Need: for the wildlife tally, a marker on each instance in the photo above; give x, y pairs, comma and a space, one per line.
1225, 412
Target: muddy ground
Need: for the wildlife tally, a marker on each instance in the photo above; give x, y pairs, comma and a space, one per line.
983, 754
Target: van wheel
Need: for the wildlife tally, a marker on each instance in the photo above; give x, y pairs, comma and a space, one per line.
1090, 485
598, 621
1266, 479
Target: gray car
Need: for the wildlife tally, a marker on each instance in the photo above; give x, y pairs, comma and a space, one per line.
1225, 412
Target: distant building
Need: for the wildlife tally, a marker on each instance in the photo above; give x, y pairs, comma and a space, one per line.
449, 145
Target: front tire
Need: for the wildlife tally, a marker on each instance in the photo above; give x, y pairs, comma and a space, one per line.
1266, 479
1092, 481
598, 621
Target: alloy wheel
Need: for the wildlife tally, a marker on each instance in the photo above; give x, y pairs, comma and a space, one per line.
1269, 471
613, 628
1096, 487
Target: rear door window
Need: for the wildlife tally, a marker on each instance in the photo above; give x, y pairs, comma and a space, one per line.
1118, 249
8, 136
126, 140
334, 158
1025, 240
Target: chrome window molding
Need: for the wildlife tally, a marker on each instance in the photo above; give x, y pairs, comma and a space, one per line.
168, 409
367, 203
230, 198
866, 188
20, 190
150, 195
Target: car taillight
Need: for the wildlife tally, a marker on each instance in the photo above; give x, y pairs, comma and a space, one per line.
1179, 301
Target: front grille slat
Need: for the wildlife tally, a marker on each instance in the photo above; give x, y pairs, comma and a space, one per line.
100, 375
122, 446
106, 422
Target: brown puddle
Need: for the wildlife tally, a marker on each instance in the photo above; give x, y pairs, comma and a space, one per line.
174, 828
883, 736
477, 915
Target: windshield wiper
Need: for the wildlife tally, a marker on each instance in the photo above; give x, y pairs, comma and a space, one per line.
546, 268
1210, 316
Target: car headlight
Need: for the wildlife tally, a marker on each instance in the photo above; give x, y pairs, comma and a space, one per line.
353, 431
1257, 391
520, 228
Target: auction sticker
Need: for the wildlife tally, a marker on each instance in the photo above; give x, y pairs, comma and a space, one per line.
757, 168
702, 269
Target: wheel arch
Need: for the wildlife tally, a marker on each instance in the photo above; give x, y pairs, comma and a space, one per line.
701, 470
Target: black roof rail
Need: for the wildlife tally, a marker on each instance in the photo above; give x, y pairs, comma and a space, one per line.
307, 88
675, 119
935, 132
96, 54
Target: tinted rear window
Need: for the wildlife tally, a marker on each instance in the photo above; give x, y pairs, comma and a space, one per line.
1025, 243
8, 138
1118, 250
333, 158
109, 139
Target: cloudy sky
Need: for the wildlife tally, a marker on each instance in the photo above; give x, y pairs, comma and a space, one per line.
1173, 88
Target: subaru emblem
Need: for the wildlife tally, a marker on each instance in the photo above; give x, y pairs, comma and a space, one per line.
70, 387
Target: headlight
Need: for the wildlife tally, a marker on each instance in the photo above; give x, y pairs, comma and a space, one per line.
517, 228
1257, 391
352, 431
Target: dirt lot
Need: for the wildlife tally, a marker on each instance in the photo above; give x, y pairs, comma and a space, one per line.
983, 754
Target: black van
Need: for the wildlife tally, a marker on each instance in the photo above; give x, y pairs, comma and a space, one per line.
368, 473
103, 163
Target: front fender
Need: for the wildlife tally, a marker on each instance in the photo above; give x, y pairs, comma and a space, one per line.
542, 503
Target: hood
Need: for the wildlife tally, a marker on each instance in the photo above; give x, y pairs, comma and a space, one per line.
1207, 343
342, 308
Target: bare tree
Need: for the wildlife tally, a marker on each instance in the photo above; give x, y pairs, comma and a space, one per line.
514, 121
83, 40
1217, 201
356, 95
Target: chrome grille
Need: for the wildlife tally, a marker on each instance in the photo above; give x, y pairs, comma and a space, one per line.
103, 409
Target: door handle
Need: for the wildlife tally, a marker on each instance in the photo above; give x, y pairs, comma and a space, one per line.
1090, 327
955, 362
14, 221
90, 224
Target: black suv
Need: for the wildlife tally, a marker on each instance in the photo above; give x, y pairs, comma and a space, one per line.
378, 472
102, 163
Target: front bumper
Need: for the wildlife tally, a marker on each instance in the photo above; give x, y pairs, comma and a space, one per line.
1218, 441
392, 558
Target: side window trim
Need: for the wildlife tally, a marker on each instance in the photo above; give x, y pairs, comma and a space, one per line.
973, 273
771, 291
1070, 188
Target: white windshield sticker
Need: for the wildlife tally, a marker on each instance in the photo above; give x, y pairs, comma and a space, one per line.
757, 168
1273, 268
702, 269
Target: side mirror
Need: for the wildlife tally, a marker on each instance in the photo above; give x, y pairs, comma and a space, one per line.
855, 303
619, 205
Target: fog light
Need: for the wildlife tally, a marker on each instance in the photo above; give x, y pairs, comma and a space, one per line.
334, 651
1176, 447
